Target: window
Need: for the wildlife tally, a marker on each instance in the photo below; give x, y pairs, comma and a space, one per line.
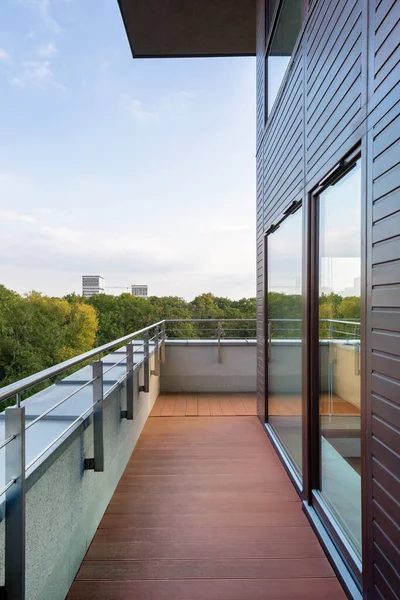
339, 310
281, 46
284, 314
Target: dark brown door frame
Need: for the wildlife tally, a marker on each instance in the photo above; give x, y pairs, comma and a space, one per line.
311, 330
294, 476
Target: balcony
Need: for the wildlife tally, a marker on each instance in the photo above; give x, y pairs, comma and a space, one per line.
143, 471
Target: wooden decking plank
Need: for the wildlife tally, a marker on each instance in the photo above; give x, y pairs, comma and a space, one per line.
238, 405
191, 406
215, 406
250, 402
158, 406
211, 589
203, 405
260, 568
226, 405
169, 406
204, 510
180, 406
173, 550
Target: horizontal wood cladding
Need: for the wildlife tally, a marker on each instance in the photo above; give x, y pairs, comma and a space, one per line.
343, 89
333, 79
385, 299
283, 148
260, 71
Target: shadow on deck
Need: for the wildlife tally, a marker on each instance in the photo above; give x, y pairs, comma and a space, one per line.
205, 510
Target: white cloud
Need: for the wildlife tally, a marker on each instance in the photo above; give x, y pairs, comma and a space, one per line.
137, 111
49, 22
17, 82
48, 51
11, 215
38, 72
5, 58
43, 7
230, 228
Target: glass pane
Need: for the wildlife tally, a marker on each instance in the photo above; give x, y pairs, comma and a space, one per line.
339, 351
284, 333
280, 51
271, 5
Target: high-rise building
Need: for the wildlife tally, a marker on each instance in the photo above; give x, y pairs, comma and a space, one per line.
92, 285
140, 290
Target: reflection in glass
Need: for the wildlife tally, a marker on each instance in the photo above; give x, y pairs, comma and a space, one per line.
270, 12
284, 335
339, 351
281, 48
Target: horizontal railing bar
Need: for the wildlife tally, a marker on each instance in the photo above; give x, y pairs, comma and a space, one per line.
115, 365
7, 441
206, 320
28, 382
7, 487
115, 385
59, 437
49, 410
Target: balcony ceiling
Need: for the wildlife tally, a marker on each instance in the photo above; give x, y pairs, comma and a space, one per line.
184, 28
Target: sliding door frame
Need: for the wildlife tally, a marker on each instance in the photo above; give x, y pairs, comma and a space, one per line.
312, 472
297, 480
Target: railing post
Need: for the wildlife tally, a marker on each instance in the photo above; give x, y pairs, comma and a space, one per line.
269, 341
156, 353
15, 504
146, 386
129, 381
163, 343
135, 386
219, 342
97, 462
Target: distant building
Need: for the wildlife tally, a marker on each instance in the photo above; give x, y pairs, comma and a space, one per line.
92, 285
140, 290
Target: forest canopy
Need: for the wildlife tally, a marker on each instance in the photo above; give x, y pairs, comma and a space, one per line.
38, 331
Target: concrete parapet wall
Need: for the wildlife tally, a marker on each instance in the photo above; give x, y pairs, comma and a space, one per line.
65, 503
193, 366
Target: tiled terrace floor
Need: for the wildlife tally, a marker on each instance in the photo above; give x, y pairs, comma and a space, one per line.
205, 511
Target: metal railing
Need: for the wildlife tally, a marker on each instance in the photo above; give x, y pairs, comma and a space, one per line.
15, 432
331, 331
15, 426
218, 329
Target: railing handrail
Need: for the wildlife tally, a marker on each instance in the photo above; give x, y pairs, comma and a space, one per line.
24, 384
215, 320
322, 321
28, 382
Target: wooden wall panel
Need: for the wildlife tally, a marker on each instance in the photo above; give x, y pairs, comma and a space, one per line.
343, 89
333, 80
384, 179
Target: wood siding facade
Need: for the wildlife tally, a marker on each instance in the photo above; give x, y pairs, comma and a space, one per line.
342, 90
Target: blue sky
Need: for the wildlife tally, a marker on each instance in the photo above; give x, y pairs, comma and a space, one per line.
142, 171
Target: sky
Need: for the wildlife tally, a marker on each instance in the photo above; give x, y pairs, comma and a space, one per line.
142, 171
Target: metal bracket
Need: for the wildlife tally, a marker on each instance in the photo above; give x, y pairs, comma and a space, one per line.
89, 464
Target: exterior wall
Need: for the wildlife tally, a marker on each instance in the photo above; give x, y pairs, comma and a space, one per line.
194, 367
65, 503
343, 89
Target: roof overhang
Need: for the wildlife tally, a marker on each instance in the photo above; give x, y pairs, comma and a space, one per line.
190, 28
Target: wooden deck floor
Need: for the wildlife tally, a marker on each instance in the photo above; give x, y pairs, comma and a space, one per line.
206, 405
229, 405
205, 511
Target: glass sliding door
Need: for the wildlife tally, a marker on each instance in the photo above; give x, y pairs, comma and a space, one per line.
284, 406
339, 310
